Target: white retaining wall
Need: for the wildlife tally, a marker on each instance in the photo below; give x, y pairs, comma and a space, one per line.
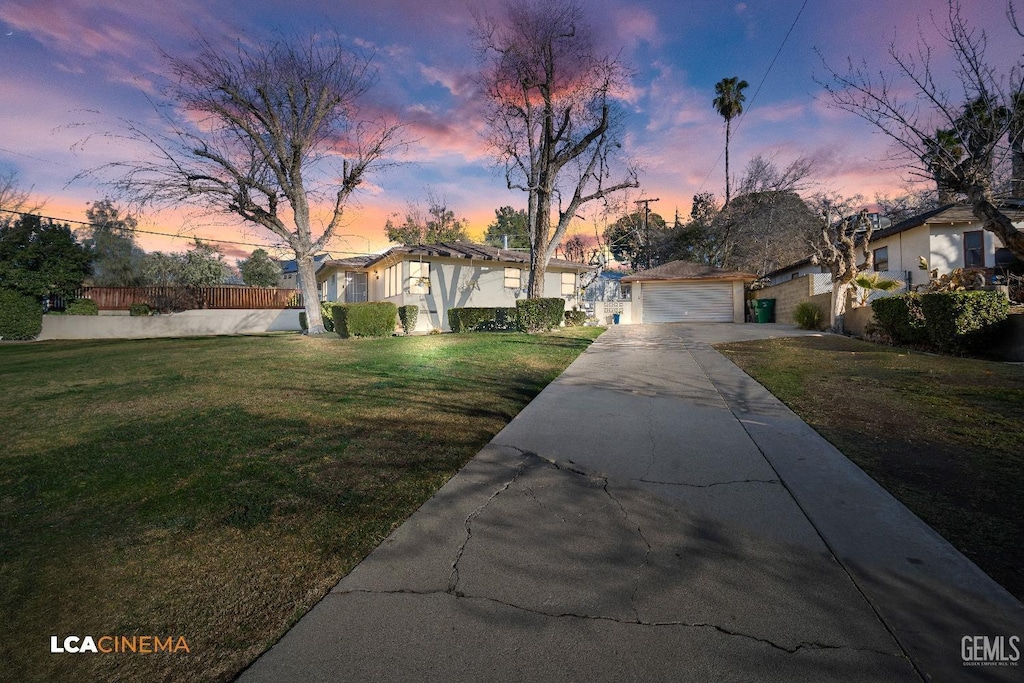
202, 323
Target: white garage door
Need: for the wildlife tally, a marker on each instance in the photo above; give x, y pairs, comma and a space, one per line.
674, 302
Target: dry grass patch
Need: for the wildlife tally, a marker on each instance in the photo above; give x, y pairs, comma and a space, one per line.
944, 435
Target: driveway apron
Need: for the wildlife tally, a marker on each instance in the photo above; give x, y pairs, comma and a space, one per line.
654, 514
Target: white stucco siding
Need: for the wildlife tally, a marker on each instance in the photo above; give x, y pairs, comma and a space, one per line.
905, 250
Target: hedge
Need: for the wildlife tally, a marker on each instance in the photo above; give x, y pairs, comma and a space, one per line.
948, 321
540, 314
367, 319
21, 315
408, 316
82, 307
481, 319
575, 318
327, 313
140, 309
961, 321
901, 318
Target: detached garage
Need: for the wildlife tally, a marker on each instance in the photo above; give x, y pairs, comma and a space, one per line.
682, 291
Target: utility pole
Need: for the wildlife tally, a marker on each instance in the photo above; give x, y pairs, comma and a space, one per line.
647, 228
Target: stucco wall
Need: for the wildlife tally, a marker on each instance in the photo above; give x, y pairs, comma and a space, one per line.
185, 324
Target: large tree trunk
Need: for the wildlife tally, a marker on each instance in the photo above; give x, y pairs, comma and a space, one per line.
1017, 173
727, 128
840, 295
310, 295
998, 223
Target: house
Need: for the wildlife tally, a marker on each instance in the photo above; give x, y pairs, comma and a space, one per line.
682, 291
948, 238
290, 270
436, 277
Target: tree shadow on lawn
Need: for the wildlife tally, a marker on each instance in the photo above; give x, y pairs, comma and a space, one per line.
169, 526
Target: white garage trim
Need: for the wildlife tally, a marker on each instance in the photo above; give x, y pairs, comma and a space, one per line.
673, 302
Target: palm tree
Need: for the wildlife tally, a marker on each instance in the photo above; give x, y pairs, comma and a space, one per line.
729, 104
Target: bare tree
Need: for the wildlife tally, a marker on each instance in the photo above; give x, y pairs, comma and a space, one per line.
954, 139
842, 232
14, 198
266, 133
551, 115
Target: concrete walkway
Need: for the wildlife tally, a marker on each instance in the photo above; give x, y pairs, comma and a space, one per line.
655, 514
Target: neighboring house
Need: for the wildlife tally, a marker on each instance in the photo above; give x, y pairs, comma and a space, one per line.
606, 287
290, 270
948, 238
436, 277
681, 291
794, 270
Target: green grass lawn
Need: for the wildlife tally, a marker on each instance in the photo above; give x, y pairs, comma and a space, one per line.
944, 435
216, 488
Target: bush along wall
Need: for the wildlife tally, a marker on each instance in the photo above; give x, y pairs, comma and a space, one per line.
540, 314
957, 322
407, 317
480, 319
952, 322
82, 307
575, 318
901, 318
368, 319
21, 315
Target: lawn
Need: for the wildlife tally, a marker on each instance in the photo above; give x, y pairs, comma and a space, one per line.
944, 435
216, 488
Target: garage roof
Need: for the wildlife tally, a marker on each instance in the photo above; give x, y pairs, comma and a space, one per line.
683, 271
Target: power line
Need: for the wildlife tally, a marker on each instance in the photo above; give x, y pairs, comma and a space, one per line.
170, 234
785, 39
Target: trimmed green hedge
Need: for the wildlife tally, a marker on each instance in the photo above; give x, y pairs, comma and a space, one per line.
21, 315
327, 313
952, 322
408, 316
82, 307
961, 321
140, 309
367, 319
540, 314
480, 319
901, 318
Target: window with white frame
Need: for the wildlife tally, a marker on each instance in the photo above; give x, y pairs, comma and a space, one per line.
391, 280
419, 277
514, 278
568, 284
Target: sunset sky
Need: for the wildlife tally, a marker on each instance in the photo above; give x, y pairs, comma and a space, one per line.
69, 68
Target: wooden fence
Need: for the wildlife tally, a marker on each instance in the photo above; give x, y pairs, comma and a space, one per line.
185, 298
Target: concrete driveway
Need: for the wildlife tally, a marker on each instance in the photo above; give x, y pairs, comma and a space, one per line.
655, 514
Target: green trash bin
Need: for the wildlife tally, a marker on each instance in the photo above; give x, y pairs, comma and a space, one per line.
764, 310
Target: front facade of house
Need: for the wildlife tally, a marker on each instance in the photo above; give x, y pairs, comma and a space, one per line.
681, 291
948, 238
437, 277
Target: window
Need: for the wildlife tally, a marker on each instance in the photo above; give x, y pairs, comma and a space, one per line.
419, 277
882, 259
974, 249
513, 278
625, 291
568, 284
323, 291
392, 280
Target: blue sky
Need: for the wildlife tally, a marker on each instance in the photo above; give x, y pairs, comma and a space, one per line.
66, 63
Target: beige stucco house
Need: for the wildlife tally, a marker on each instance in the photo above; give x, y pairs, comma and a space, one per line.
436, 277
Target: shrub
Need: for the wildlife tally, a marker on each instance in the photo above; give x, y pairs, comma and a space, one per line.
807, 316
303, 321
21, 315
140, 309
407, 316
368, 319
901, 318
963, 320
483, 319
327, 313
539, 314
575, 318
82, 307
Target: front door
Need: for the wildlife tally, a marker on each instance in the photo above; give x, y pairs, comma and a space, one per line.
355, 287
